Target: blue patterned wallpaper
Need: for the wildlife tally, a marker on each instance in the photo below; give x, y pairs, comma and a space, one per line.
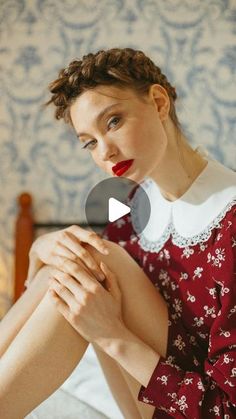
194, 42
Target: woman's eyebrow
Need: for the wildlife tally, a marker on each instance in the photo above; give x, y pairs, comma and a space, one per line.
100, 116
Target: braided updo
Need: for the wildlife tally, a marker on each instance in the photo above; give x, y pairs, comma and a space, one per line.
121, 67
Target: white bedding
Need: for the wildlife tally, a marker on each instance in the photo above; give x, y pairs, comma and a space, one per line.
85, 394
62, 405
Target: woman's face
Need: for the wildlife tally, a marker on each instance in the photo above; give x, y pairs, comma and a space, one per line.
114, 125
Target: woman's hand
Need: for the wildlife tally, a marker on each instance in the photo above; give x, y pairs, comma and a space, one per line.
92, 310
54, 248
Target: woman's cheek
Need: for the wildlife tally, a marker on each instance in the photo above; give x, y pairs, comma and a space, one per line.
102, 165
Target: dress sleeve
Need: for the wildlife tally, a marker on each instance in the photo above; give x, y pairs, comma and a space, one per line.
209, 390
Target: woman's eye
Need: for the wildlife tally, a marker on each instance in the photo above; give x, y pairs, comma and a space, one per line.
114, 121
89, 145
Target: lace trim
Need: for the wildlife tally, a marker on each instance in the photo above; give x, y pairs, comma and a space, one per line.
180, 241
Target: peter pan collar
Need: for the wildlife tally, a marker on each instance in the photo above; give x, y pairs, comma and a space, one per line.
191, 218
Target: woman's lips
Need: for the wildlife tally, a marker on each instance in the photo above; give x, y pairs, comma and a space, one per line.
122, 167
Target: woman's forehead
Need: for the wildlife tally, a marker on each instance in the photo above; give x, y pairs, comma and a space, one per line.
106, 93
95, 100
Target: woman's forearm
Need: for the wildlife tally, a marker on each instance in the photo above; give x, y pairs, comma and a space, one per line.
134, 355
39, 359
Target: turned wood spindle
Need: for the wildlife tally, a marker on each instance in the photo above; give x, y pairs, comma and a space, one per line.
24, 236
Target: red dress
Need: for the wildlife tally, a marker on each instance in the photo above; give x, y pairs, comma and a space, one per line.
190, 257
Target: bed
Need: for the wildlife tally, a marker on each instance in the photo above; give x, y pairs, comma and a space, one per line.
85, 394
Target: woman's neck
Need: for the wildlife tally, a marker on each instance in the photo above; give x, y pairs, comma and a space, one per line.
180, 166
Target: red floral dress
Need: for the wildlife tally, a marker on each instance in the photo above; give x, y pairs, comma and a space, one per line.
194, 269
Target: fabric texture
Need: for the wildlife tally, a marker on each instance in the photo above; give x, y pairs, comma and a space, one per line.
191, 218
197, 378
63, 405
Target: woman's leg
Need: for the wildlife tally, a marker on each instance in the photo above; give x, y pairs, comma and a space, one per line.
145, 410
22, 310
40, 358
118, 385
19, 313
144, 312
37, 361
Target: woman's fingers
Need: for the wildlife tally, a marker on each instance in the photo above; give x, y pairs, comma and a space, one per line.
74, 250
56, 285
81, 275
72, 267
53, 248
63, 299
63, 251
112, 283
60, 253
68, 289
89, 237
60, 304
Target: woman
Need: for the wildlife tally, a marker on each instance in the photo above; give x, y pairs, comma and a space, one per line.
176, 358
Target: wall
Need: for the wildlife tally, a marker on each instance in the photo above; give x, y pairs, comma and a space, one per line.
192, 41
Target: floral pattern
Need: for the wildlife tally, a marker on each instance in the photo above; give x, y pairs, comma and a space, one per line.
197, 378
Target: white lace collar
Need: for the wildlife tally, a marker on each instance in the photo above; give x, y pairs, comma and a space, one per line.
191, 218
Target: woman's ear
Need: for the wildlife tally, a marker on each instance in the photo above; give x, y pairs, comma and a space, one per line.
160, 98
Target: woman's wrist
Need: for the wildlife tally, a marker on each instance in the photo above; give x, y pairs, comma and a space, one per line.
134, 355
111, 343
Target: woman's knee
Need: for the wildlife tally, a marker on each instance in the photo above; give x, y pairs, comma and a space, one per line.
41, 279
118, 259
138, 293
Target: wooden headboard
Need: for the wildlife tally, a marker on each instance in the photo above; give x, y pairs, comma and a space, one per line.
25, 233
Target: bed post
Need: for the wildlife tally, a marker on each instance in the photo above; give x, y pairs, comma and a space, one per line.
23, 240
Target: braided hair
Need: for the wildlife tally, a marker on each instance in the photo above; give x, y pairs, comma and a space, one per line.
123, 67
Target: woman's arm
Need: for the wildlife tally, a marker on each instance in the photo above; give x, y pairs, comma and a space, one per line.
54, 248
49, 249
134, 355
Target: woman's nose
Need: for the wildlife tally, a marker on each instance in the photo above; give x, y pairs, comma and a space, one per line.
107, 151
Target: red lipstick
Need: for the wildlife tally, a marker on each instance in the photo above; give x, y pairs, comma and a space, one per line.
122, 167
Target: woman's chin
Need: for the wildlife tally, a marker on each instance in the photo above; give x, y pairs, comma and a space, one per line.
134, 176
138, 178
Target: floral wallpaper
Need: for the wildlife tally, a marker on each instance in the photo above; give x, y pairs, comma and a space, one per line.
194, 42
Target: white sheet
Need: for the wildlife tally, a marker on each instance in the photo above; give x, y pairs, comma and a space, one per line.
61, 405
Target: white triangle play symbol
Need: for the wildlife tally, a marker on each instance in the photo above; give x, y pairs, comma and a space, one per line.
116, 209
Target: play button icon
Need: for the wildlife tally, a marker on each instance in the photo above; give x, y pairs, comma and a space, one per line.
115, 198
117, 209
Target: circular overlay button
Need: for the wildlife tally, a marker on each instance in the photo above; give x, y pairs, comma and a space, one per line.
114, 198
